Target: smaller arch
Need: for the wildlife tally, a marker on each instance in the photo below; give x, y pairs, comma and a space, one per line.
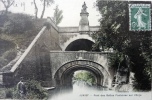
80, 45
99, 76
84, 36
98, 70
83, 61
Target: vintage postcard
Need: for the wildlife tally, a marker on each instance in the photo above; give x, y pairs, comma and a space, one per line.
76, 49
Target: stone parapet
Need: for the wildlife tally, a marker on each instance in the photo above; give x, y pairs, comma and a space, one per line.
68, 30
94, 28
76, 29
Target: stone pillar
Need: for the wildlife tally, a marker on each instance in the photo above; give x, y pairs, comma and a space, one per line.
84, 22
109, 83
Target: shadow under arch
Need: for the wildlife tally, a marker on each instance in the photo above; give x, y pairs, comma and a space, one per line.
63, 76
80, 44
78, 37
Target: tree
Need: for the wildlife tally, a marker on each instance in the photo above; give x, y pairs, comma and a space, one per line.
85, 76
135, 45
36, 9
7, 4
46, 3
57, 17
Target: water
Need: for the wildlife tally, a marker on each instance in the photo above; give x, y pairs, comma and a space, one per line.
81, 91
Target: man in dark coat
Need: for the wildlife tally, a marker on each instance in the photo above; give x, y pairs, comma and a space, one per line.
21, 88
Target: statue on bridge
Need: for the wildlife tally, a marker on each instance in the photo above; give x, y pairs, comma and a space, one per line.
84, 8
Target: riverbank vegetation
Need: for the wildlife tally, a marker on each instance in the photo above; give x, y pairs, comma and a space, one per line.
34, 91
132, 47
85, 76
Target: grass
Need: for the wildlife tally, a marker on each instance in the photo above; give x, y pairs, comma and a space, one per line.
34, 91
8, 51
18, 30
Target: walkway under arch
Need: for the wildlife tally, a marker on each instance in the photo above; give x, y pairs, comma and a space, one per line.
63, 76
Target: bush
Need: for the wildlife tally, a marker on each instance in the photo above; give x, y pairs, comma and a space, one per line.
2, 93
5, 45
8, 93
3, 18
11, 92
85, 76
18, 24
35, 90
7, 50
3, 62
10, 54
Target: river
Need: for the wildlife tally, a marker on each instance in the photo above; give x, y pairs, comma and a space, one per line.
81, 91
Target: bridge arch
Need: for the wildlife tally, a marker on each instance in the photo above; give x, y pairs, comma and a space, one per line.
63, 76
78, 37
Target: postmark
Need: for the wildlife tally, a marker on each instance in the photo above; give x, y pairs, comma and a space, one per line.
139, 17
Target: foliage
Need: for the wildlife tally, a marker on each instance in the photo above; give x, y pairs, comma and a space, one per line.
85, 76
57, 17
3, 62
7, 51
5, 45
10, 54
2, 93
3, 19
17, 30
117, 60
134, 45
35, 90
48, 2
7, 56
10, 93
18, 23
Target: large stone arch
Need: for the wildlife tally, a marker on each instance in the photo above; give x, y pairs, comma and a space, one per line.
63, 76
81, 36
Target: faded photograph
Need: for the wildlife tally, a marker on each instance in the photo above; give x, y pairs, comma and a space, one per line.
75, 49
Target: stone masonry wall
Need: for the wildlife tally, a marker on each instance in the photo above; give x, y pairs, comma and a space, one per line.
35, 63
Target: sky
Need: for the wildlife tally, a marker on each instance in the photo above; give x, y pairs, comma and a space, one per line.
71, 10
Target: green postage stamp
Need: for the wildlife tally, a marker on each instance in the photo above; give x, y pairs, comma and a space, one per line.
139, 17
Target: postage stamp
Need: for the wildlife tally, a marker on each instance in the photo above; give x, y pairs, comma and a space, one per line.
139, 17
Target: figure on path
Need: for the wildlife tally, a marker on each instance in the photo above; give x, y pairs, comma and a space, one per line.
21, 88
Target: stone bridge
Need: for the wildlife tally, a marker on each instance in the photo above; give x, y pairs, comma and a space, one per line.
64, 64
57, 52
